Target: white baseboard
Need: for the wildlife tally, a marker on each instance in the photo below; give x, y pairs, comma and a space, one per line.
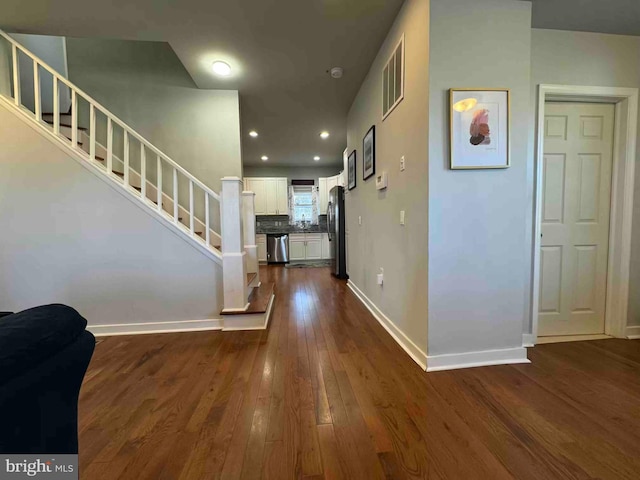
250, 321
477, 359
633, 332
233, 323
528, 340
155, 327
398, 335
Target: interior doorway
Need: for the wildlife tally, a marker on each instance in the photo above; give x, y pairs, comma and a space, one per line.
576, 200
586, 147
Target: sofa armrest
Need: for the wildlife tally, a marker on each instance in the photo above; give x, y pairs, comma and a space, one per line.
30, 337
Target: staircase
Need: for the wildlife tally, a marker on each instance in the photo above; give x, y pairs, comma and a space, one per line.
221, 226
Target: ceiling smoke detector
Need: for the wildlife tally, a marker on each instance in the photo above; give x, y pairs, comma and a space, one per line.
336, 72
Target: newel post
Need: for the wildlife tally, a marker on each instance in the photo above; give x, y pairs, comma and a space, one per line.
234, 265
249, 221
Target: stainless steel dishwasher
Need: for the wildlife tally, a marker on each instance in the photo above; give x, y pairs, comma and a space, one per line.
278, 248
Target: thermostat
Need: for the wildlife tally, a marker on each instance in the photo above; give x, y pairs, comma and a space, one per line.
381, 181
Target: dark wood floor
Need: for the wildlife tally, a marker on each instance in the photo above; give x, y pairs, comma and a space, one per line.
326, 393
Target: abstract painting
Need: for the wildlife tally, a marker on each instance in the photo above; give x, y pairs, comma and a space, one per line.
369, 153
351, 163
479, 128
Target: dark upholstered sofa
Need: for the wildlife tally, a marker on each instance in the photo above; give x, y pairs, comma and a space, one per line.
44, 354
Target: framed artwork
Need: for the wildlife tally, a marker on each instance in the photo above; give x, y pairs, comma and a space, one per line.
479, 130
351, 161
369, 153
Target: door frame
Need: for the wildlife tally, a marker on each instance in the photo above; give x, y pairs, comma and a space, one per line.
622, 188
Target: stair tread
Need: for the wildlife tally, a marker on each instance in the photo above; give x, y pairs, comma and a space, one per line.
50, 122
258, 300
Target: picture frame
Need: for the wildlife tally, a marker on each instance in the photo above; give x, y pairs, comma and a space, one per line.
351, 173
480, 127
369, 153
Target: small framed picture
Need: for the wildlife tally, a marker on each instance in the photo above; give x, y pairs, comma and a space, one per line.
479, 130
351, 161
369, 153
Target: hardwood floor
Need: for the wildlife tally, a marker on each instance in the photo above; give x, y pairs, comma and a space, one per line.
325, 393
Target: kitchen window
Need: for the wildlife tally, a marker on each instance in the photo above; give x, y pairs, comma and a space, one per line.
304, 204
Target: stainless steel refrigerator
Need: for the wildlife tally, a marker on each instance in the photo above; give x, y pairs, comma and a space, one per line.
337, 232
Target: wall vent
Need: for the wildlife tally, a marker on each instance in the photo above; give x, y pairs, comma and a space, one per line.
393, 80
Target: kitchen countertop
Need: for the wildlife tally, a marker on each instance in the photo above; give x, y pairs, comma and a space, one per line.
260, 229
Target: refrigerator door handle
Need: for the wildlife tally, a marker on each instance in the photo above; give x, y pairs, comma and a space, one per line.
329, 219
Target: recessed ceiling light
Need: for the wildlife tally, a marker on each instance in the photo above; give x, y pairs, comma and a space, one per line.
316, 158
264, 158
221, 68
324, 135
253, 133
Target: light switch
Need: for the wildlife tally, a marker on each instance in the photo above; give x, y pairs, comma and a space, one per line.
402, 163
380, 277
401, 217
359, 220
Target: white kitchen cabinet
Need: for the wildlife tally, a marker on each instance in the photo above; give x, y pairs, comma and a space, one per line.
331, 182
324, 187
326, 247
313, 246
297, 247
257, 186
272, 195
271, 189
282, 204
323, 195
305, 246
261, 242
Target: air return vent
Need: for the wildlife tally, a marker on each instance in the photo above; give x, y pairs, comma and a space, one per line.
393, 80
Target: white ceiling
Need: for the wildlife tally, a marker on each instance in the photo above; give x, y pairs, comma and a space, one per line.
620, 17
279, 50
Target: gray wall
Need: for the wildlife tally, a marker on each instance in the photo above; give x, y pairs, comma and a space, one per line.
69, 237
145, 85
381, 241
297, 173
5, 68
577, 58
52, 51
478, 253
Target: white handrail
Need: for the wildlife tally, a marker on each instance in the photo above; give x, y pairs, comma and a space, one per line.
96, 105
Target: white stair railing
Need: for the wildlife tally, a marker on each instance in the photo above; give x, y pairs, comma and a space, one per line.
196, 189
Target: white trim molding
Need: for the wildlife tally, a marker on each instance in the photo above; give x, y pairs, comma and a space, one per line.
624, 159
633, 332
155, 327
250, 321
528, 340
398, 335
484, 358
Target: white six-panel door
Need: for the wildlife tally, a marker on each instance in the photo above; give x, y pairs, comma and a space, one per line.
576, 198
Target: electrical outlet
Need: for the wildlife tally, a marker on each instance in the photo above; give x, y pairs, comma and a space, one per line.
401, 217
380, 277
359, 219
402, 163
